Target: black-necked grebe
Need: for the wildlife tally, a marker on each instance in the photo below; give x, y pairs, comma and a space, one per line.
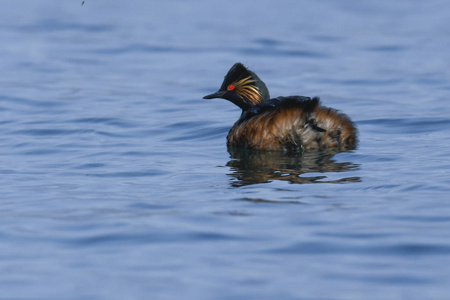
290, 123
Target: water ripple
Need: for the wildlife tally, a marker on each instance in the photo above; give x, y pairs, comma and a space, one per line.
322, 248
129, 174
409, 125
49, 25
103, 240
51, 132
108, 121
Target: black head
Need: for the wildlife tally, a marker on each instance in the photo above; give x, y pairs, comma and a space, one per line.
242, 87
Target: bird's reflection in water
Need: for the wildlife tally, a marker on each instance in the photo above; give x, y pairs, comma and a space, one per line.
251, 167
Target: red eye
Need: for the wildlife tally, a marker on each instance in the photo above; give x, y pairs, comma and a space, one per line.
230, 87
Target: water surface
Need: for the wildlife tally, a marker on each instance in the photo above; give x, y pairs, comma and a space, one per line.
117, 183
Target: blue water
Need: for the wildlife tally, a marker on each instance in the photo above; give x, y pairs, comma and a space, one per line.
117, 183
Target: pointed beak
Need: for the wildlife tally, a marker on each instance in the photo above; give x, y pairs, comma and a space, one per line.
218, 94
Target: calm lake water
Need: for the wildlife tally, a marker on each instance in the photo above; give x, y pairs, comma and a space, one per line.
117, 183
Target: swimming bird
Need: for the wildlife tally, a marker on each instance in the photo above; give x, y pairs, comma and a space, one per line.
293, 123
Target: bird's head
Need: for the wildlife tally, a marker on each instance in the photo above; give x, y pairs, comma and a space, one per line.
242, 87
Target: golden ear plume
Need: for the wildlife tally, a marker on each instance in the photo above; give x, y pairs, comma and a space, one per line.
246, 89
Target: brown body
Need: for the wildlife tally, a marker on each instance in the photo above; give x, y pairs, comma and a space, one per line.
281, 124
294, 128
